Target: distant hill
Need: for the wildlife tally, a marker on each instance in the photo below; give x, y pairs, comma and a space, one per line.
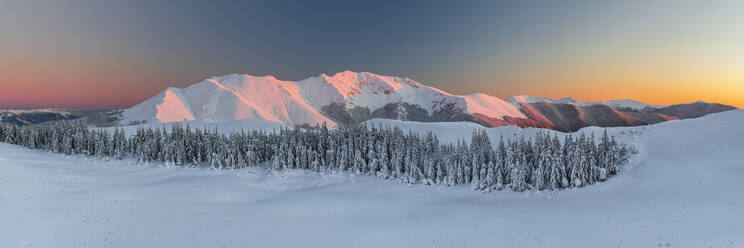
96, 117
35, 116
689, 110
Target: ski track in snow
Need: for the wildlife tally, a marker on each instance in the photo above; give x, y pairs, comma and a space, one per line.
683, 190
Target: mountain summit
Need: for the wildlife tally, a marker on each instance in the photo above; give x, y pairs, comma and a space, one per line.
344, 98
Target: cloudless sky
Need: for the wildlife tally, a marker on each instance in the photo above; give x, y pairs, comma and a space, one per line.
118, 53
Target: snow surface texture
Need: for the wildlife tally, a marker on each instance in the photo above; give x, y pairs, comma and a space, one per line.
234, 97
683, 190
620, 104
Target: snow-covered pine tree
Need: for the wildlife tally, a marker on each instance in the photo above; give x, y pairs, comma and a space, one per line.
384, 162
315, 165
276, 164
330, 154
475, 163
440, 170
543, 164
359, 163
490, 179
516, 167
590, 150
371, 157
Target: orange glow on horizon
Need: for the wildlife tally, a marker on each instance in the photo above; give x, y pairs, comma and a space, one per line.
87, 84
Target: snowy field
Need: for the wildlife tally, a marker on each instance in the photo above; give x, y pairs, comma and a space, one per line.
685, 189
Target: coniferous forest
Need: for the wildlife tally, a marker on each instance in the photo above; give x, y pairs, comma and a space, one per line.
543, 162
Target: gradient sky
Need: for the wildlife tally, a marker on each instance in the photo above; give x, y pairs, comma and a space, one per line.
118, 53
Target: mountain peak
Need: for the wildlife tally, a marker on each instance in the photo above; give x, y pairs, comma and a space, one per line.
345, 96
237, 79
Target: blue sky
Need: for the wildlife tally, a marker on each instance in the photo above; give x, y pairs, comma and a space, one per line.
122, 52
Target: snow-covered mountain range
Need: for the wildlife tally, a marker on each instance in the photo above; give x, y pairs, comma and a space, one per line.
348, 98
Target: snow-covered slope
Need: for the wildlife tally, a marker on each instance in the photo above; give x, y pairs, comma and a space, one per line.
234, 97
168, 106
631, 104
683, 190
490, 106
228, 98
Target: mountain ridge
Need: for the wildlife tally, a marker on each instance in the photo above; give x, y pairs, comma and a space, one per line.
349, 98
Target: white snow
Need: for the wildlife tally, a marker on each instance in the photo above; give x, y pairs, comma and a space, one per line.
683, 190
625, 103
372, 91
168, 106
369, 90
178, 111
236, 96
228, 98
491, 106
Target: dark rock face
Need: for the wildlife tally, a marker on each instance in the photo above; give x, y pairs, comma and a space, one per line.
391, 111
397, 111
103, 118
450, 113
338, 113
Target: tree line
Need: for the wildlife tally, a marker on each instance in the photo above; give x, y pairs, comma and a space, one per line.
542, 162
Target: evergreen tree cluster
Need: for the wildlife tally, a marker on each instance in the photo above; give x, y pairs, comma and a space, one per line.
540, 163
